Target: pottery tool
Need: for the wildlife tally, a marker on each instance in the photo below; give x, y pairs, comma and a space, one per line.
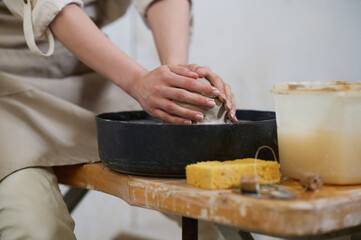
271, 191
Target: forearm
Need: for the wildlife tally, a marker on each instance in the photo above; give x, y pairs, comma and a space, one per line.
75, 30
156, 90
169, 21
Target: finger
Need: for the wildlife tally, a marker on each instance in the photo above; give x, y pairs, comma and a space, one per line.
194, 86
217, 83
228, 93
173, 108
184, 71
168, 118
230, 103
200, 70
234, 109
184, 96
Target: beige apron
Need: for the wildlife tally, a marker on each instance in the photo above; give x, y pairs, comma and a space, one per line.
48, 104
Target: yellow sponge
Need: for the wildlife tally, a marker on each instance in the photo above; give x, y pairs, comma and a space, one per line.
227, 174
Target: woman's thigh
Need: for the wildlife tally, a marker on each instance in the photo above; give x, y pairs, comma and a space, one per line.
32, 207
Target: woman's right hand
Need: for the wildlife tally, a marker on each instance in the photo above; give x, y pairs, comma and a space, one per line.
157, 90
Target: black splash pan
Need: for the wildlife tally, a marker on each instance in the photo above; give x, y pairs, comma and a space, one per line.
135, 143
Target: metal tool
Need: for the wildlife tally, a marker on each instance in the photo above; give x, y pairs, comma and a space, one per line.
269, 191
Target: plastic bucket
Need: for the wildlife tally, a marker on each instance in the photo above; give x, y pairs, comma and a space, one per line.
319, 129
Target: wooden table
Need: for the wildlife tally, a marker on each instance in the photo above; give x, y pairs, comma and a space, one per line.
334, 210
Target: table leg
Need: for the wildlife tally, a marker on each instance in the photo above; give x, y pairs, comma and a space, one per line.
356, 236
233, 233
73, 196
245, 235
189, 228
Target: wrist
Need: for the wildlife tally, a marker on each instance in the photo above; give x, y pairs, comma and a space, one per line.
133, 85
175, 59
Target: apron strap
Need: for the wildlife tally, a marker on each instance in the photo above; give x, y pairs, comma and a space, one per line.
29, 33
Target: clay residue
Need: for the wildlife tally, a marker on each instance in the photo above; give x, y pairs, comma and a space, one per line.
319, 87
295, 86
215, 115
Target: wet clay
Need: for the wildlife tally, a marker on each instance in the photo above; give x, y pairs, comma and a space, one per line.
215, 115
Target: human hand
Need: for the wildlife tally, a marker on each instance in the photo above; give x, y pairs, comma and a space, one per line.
157, 90
225, 95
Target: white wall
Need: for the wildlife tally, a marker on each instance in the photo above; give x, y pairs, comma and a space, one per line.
251, 44
254, 43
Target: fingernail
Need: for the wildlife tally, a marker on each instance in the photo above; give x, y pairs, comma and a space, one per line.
193, 73
215, 92
224, 97
201, 71
188, 122
199, 117
229, 105
211, 103
233, 115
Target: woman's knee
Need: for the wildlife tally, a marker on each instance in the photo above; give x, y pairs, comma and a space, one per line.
32, 207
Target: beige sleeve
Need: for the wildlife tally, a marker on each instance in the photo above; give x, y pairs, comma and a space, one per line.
142, 7
36, 16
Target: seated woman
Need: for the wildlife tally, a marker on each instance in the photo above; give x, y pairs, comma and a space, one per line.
51, 90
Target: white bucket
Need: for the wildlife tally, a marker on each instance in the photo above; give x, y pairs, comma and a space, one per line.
319, 130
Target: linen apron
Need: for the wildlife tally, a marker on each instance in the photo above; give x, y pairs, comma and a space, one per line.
48, 104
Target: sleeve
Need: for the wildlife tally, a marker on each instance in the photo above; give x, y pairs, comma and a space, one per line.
36, 16
143, 5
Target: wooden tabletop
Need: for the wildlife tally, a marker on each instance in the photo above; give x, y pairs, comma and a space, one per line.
331, 209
